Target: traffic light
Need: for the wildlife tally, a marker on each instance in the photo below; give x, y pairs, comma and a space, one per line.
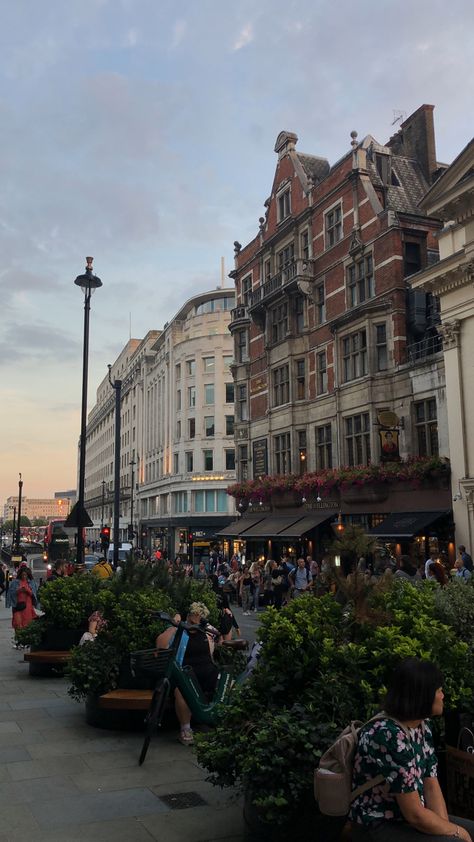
105, 537
182, 536
130, 532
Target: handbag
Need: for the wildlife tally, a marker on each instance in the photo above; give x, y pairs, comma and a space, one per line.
20, 606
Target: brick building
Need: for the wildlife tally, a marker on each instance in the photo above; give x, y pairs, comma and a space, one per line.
327, 333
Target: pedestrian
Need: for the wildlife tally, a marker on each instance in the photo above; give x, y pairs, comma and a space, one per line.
3, 586
461, 572
466, 558
407, 804
103, 570
406, 570
279, 586
246, 590
201, 573
59, 570
256, 575
23, 598
433, 557
437, 573
300, 579
268, 582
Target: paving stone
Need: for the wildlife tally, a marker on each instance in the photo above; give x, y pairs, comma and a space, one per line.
199, 824
162, 776
14, 819
48, 768
123, 830
37, 790
9, 728
97, 807
12, 754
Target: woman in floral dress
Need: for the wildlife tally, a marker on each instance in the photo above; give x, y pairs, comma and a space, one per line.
408, 804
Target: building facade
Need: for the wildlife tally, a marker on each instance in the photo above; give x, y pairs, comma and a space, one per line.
451, 199
177, 432
32, 507
337, 362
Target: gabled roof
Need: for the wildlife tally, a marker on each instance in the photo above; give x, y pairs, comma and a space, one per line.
458, 174
315, 167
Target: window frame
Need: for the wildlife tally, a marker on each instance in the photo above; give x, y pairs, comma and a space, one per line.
323, 446
211, 426
281, 385
426, 426
321, 372
360, 281
283, 198
354, 355
357, 439
208, 454
333, 229
282, 453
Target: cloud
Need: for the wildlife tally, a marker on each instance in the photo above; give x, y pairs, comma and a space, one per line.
38, 342
245, 36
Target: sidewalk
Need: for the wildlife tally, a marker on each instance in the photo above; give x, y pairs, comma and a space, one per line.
61, 779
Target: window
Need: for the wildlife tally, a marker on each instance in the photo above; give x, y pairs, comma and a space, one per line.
178, 400
300, 380
358, 439
210, 501
208, 459
209, 365
267, 270
360, 281
178, 430
230, 460
302, 454
381, 357
191, 367
284, 205
178, 371
209, 394
333, 226
164, 504
321, 373
246, 289
228, 361
229, 393
229, 425
215, 305
191, 428
180, 501
299, 314
191, 396
319, 304
426, 424
209, 426
304, 245
281, 385
176, 463
324, 447
242, 405
282, 453
241, 346
243, 462
354, 355
411, 258
279, 322
286, 256
189, 459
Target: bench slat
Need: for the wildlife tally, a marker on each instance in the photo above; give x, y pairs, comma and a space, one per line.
126, 700
45, 656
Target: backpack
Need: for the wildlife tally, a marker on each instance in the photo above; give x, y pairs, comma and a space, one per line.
467, 560
333, 777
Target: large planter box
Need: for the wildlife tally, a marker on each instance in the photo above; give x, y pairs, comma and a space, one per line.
308, 824
54, 640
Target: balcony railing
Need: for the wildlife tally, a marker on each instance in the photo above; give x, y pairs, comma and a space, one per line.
299, 269
239, 314
420, 351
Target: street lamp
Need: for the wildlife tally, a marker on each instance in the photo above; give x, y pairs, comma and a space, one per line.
88, 282
102, 508
132, 465
17, 537
117, 387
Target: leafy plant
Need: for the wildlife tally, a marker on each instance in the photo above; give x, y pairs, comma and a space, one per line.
31, 635
320, 667
68, 602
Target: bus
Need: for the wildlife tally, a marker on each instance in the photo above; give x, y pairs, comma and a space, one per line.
59, 541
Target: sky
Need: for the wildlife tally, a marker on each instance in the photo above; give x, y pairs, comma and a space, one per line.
141, 132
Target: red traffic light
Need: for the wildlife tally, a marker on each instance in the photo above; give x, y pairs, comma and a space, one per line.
105, 532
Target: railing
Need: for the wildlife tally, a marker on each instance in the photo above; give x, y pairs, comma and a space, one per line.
427, 347
299, 268
239, 314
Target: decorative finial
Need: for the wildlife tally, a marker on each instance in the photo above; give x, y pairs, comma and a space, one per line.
354, 139
89, 261
237, 248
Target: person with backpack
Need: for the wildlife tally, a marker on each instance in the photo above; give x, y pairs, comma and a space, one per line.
397, 794
466, 558
300, 579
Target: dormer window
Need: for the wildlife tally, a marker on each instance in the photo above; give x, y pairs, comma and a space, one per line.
284, 204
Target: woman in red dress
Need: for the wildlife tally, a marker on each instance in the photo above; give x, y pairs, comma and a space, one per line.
23, 596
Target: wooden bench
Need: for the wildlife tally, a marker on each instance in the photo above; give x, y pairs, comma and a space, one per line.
47, 662
126, 700
47, 656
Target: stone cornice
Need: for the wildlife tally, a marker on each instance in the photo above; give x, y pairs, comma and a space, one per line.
449, 274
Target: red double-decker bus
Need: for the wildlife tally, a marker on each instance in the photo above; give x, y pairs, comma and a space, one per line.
59, 541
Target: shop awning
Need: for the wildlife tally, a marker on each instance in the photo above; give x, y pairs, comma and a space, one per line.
235, 529
405, 524
270, 527
307, 523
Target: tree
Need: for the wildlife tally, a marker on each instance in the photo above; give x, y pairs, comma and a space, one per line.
39, 521
8, 525
351, 544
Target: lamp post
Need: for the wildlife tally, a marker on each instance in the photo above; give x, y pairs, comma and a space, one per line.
132, 465
14, 528
117, 386
18, 531
103, 505
88, 282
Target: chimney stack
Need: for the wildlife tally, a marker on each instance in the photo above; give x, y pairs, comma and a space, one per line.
416, 139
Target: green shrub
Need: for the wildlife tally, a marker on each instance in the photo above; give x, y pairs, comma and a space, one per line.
68, 602
320, 667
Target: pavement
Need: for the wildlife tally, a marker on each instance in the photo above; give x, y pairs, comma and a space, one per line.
61, 779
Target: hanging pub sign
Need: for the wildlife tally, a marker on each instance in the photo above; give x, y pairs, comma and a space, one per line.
260, 458
388, 433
